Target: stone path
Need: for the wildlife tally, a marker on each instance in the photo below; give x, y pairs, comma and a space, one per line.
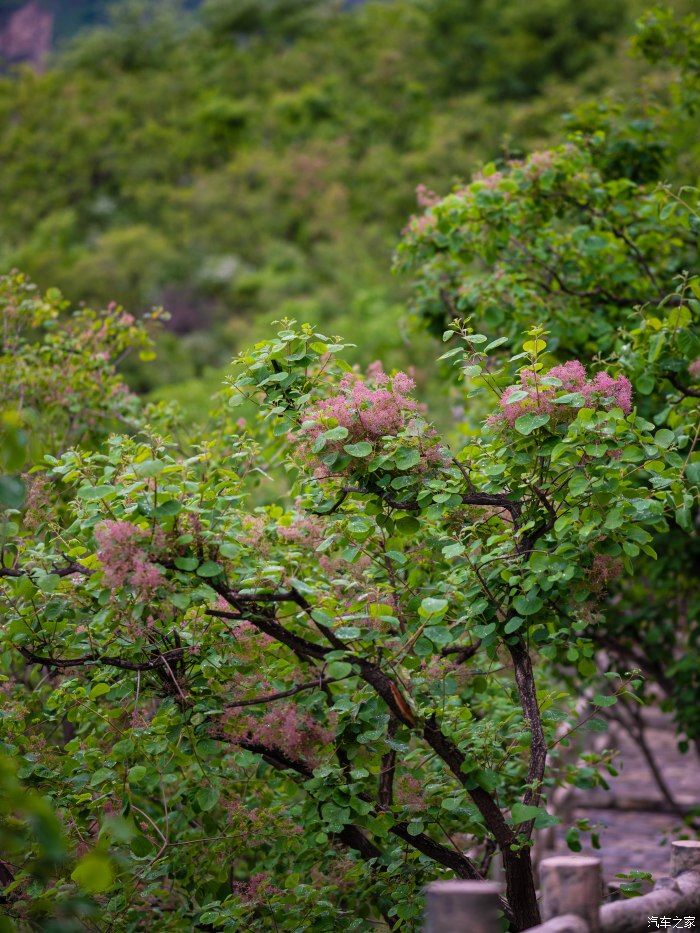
636, 825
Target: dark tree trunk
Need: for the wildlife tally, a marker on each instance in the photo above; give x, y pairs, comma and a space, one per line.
520, 889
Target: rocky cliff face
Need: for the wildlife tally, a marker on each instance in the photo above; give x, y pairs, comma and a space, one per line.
26, 34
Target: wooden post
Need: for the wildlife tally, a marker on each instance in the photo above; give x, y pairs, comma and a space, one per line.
571, 884
462, 907
685, 856
678, 896
569, 923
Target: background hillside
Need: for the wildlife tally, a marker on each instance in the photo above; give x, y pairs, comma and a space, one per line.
250, 160
30, 29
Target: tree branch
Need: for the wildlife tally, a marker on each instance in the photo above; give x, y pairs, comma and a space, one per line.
71, 567
685, 390
272, 697
525, 680
159, 660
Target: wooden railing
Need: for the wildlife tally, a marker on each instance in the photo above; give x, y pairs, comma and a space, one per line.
570, 899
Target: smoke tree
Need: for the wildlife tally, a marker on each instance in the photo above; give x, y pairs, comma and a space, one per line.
592, 247
351, 688
281, 669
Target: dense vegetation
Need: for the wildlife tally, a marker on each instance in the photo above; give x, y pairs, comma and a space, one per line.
260, 159
279, 668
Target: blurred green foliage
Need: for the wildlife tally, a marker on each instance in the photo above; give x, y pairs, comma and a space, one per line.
250, 159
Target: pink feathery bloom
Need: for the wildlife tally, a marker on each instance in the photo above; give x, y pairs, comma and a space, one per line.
604, 570
253, 531
145, 577
306, 530
410, 791
284, 727
425, 197
603, 391
694, 368
619, 390
419, 224
255, 888
539, 161
125, 561
488, 181
369, 409
571, 374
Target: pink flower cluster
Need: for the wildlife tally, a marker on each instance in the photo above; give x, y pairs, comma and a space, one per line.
368, 409
283, 726
255, 888
367, 412
604, 570
600, 392
410, 792
425, 197
38, 498
125, 562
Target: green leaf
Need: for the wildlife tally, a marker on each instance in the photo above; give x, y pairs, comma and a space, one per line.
207, 797
186, 563
644, 384
99, 690
339, 669
528, 604
149, 467
578, 484
450, 803
407, 524
571, 398
526, 424
209, 569
407, 458
11, 492
522, 813
100, 776
46, 582
94, 873
362, 449
137, 773
336, 434
596, 725
181, 600
171, 507
692, 473
534, 346
432, 607
94, 492
498, 342
600, 700
512, 625
664, 438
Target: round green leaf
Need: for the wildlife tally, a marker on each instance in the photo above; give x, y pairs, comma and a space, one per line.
362, 449
94, 873
209, 569
528, 604
526, 424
